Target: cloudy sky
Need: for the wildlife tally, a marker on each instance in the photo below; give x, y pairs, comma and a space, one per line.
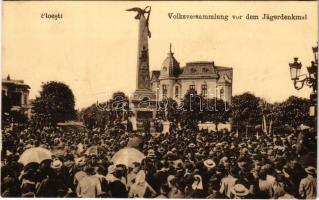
93, 48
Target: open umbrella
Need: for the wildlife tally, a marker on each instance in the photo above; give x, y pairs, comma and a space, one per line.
95, 150
36, 155
127, 156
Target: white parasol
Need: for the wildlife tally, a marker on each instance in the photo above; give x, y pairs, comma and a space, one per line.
127, 156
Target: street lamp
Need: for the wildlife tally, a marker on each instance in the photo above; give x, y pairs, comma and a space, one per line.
310, 79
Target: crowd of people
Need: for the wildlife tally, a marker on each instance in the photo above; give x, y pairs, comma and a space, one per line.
183, 163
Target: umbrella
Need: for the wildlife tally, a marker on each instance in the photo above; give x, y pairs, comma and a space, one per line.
127, 156
94, 150
36, 155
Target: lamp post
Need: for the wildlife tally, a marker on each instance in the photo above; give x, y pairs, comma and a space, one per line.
309, 79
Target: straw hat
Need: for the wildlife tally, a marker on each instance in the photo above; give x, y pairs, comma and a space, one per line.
151, 153
209, 163
310, 170
80, 161
56, 164
191, 145
239, 190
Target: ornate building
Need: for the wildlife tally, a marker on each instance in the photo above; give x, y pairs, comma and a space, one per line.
172, 81
209, 80
16, 95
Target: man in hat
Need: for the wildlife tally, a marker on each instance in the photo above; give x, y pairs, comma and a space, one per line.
228, 182
116, 186
151, 154
69, 169
89, 186
54, 184
161, 175
239, 191
308, 185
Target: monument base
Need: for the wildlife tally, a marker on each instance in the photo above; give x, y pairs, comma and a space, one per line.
144, 106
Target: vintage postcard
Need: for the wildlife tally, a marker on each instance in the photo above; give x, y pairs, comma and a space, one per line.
159, 99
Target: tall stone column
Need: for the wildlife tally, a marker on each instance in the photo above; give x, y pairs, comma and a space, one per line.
143, 72
144, 99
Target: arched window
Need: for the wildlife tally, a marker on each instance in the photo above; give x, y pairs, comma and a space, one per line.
176, 91
222, 93
204, 90
164, 90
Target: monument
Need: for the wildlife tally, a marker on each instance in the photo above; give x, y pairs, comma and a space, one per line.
144, 99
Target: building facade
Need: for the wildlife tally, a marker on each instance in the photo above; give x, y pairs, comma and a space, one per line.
208, 79
16, 93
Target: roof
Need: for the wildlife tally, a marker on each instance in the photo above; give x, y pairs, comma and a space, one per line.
200, 62
156, 73
170, 66
224, 79
219, 68
18, 83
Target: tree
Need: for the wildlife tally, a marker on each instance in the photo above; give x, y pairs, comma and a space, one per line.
168, 109
55, 104
95, 115
115, 110
193, 109
293, 112
216, 111
119, 106
246, 111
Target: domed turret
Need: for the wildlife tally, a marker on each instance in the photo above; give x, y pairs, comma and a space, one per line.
170, 66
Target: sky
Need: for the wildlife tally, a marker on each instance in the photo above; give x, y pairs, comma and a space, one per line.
93, 48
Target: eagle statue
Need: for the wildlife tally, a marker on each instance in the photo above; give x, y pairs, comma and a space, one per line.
141, 12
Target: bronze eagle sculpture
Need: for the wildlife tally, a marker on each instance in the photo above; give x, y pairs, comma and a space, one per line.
141, 12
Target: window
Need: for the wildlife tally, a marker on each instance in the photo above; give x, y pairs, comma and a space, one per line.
164, 90
204, 70
192, 87
222, 95
25, 99
16, 98
176, 91
157, 92
204, 90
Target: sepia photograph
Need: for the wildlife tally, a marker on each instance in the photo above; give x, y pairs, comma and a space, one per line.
158, 99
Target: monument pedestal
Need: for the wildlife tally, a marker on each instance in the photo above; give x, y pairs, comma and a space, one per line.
144, 99
144, 106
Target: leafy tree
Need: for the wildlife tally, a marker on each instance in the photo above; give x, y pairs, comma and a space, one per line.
55, 104
95, 115
246, 110
119, 106
216, 111
193, 108
168, 109
293, 112
111, 112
